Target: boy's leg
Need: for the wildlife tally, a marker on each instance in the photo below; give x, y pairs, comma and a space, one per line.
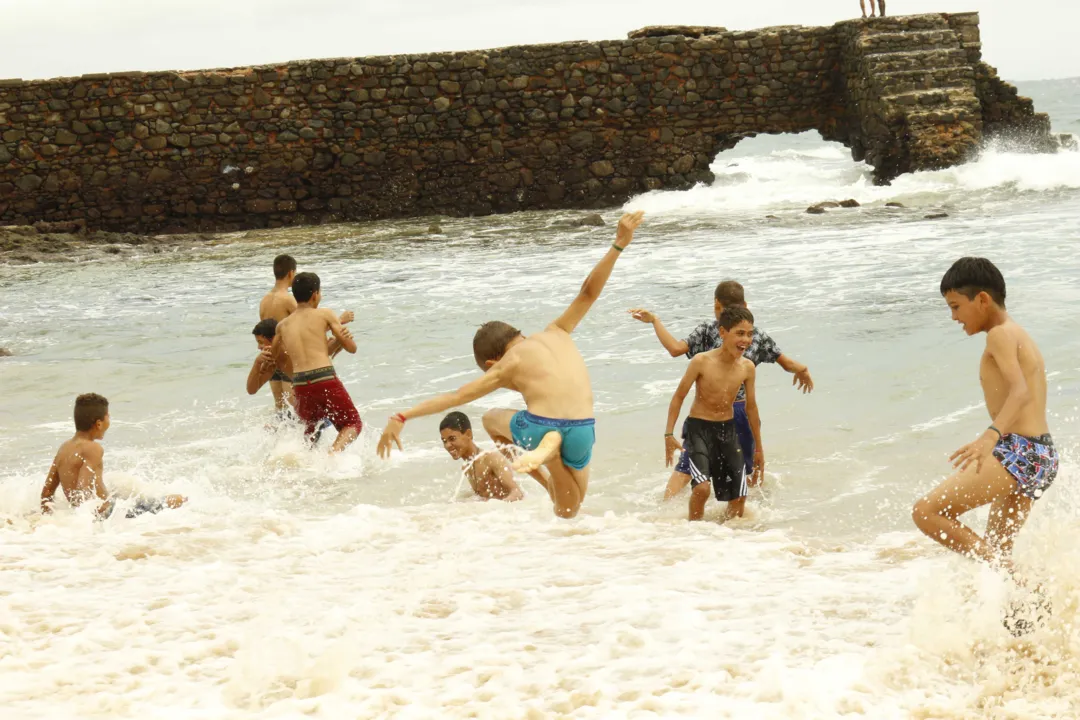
937, 513
497, 424
736, 507
675, 484
1007, 516
278, 393
533, 459
698, 497
568, 486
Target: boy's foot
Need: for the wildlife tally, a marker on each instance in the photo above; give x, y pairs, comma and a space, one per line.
534, 459
1025, 615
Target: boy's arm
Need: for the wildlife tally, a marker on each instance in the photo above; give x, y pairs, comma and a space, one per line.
487, 383
498, 467
52, 481
1005, 351
340, 333
688, 380
333, 347
754, 418
261, 371
593, 284
802, 374
673, 345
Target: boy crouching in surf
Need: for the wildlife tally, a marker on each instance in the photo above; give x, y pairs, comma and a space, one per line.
78, 467
557, 428
711, 438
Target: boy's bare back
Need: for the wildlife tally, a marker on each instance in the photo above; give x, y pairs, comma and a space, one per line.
277, 304
549, 372
1010, 339
717, 385
77, 468
302, 336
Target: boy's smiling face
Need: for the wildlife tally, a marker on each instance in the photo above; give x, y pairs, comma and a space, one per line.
971, 314
740, 336
456, 443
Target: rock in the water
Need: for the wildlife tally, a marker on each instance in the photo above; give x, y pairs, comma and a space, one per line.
435, 229
894, 204
591, 220
771, 217
816, 210
849, 203
936, 216
4, 352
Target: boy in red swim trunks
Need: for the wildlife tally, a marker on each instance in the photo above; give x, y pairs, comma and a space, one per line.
302, 336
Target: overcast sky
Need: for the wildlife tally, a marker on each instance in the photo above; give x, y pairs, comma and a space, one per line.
1027, 40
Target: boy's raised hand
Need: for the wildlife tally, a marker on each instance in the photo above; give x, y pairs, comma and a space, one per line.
643, 315
346, 317
628, 223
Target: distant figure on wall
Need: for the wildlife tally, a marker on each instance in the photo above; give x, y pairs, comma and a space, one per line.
881, 7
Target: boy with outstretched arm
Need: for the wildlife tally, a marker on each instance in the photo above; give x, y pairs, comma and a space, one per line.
302, 336
277, 305
557, 429
79, 465
706, 337
711, 444
489, 473
1014, 461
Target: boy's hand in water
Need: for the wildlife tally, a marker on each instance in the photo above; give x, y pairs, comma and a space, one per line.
627, 225
670, 446
643, 315
392, 434
346, 317
758, 473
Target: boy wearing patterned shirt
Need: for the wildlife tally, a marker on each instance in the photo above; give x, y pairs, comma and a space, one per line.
706, 337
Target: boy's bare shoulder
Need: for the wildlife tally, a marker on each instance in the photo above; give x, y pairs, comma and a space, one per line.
1007, 334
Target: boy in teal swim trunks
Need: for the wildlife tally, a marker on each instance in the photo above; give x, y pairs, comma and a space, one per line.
557, 428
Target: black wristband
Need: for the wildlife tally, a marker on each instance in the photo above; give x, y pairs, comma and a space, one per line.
995, 430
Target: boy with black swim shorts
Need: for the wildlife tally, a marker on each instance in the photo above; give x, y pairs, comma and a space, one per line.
277, 305
705, 337
711, 443
1014, 461
302, 336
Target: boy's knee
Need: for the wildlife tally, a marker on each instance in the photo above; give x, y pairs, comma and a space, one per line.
701, 492
922, 511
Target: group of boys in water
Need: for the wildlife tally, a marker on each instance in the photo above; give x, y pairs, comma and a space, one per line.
1010, 465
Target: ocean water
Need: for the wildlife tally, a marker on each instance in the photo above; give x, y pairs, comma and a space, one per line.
296, 584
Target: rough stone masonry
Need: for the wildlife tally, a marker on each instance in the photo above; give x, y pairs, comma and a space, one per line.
579, 124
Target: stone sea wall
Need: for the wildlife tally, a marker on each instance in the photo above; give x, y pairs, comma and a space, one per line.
581, 124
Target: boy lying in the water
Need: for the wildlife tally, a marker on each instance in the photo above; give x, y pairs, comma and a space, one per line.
557, 428
79, 463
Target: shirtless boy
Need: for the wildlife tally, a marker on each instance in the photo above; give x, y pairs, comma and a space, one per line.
711, 438
278, 305
1014, 461
557, 429
488, 473
79, 465
705, 337
302, 336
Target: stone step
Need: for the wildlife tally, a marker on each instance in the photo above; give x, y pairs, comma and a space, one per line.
890, 62
925, 79
939, 116
904, 24
936, 96
901, 41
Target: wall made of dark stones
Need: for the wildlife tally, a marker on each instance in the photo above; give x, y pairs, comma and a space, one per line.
550, 126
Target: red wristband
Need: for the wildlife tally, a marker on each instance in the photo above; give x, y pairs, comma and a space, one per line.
399, 417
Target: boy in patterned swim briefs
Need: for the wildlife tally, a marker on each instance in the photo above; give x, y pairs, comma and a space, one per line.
1014, 461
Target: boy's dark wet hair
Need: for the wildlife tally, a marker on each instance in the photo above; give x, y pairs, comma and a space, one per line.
490, 341
733, 315
970, 276
730, 293
89, 408
304, 286
457, 421
265, 328
283, 265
